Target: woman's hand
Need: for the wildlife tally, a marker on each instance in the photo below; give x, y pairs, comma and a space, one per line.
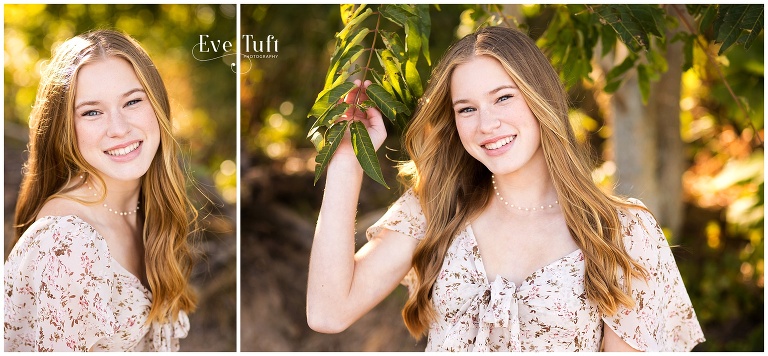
371, 118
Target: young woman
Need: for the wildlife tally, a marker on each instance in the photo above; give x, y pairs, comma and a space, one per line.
102, 259
511, 245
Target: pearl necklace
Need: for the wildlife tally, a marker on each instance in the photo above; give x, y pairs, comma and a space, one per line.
121, 213
507, 204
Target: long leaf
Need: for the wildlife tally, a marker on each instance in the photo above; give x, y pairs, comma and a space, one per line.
329, 97
412, 40
738, 24
425, 27
392, 69
393, 43
398, 14
388, 105
332, 138
413, 79
354, 22
365, 153
620, 19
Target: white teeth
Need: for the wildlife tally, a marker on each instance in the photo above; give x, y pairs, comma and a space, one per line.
500, 143
123, 151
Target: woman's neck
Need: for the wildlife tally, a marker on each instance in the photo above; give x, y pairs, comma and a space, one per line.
529, 186
120, 196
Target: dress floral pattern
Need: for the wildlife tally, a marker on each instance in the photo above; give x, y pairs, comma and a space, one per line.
65, 292
549, 310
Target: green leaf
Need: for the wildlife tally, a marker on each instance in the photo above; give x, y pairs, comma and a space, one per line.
612, 78
413, 79
710, 14
354, 22
425, 27
366, 104
392, 70
688, 42
365, 153
393, 43
329, 97
334, 113
398, 14
349, 12
738, 24
620, 19
412, 40
644, 81
332, 138
388, 105
316, 137
648, 17
608, 38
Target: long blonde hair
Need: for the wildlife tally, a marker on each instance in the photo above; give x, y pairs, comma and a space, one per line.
452, 186
166, 212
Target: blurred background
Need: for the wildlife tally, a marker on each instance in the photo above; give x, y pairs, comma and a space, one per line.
203, 109
713, 212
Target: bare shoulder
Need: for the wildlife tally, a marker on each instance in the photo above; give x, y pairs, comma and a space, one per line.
60, 206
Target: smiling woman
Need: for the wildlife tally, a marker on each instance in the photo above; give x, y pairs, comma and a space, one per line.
101, 262
504, 240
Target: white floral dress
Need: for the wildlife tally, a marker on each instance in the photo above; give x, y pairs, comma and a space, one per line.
65, 292
549, 311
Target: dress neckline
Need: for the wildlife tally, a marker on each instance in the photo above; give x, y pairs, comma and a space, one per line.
529, 278
123, 271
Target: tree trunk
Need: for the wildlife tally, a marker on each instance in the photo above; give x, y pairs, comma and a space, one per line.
647, 144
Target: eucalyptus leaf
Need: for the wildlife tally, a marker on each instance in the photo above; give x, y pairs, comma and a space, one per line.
365, 153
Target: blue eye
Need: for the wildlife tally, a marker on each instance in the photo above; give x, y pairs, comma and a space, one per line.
133, 102
90, 113
466, 110
505, 97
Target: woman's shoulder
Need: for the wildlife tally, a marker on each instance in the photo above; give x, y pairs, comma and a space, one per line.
641, 232
404, 216
61, 237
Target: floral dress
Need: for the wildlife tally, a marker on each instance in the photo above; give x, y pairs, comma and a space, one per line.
549, 310
64, 291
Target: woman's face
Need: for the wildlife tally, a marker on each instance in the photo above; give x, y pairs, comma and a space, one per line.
117, 130
493, 120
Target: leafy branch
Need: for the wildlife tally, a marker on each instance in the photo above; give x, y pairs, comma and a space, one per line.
396, 86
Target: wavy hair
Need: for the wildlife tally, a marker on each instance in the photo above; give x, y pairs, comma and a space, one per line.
166, 213
437, 156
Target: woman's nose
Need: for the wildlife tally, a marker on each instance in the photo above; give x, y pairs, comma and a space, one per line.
118, 125
489, 120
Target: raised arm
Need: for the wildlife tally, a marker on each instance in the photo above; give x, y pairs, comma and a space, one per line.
344, 285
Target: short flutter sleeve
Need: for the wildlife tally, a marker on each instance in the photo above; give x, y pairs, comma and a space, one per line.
662, 318
404, 216
58, 286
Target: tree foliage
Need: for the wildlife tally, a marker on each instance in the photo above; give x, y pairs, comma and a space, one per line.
574, 34
397, 82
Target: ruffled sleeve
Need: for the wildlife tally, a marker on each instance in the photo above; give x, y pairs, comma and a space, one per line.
58, 288
404, 216
662, 318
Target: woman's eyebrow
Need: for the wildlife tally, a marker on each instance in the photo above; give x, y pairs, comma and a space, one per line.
95, 102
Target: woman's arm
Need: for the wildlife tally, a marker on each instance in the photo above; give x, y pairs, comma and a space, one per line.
344, 285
